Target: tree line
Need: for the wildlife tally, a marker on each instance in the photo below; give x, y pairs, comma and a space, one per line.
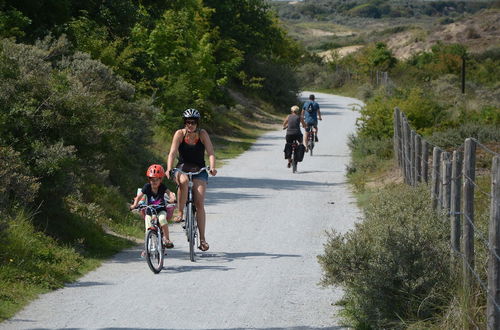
85, 85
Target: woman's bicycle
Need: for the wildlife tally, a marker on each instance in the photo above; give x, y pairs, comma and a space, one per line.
191, 227
153, 244
293, 157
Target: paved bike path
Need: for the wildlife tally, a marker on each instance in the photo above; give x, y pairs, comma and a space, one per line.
266, 226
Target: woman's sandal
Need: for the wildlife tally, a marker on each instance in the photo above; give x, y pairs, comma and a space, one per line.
178, 219
168, 243
203, 246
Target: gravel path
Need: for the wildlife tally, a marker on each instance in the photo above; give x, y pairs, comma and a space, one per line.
266, 226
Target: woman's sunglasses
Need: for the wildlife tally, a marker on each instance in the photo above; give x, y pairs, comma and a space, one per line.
154, 179
190, 122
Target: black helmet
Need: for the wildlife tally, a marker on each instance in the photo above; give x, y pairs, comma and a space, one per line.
191, 113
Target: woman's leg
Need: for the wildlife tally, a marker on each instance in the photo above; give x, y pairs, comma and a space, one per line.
182, 191
199, 188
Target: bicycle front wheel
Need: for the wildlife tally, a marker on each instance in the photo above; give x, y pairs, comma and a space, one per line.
192, 236
191, 230
154, 251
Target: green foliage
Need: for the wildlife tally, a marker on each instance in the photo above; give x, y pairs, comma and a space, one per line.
395, 264
442, 59
15, 181
253, 34
70, 121
366, 10
376, 118
12, 23
330, 9
454, 137
180, 51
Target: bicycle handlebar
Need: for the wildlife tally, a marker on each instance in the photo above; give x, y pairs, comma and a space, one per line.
146, 206
203, 169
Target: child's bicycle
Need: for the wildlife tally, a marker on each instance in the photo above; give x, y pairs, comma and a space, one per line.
191, 227
153, 244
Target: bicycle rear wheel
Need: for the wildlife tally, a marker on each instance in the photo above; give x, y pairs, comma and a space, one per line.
154, 251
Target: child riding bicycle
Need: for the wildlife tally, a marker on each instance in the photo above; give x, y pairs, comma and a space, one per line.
155, 192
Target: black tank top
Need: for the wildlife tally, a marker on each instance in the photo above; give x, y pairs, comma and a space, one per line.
293, 125
192, 153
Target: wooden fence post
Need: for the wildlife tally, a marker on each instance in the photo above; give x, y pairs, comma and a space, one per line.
446, 181
492, 310
407, 150
469, 175
418, 159
403, 145
412, 157
425, 161
456, 183
397, 137
436, 155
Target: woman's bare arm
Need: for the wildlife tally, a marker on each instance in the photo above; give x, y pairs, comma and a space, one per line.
176, 141
209, 148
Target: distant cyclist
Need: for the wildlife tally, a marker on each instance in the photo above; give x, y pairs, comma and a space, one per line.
292, 124
311, 114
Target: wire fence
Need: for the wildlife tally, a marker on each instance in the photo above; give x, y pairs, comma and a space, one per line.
451, 177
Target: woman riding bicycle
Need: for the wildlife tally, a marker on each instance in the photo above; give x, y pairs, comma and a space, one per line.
292, 124
190, 144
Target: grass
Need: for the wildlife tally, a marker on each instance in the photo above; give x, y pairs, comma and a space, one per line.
33, 263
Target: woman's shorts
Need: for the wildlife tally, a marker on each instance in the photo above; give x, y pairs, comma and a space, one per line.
202, 176
294, 137
310, 125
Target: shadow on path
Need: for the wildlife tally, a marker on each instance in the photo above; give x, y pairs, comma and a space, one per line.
228, 182
267, 328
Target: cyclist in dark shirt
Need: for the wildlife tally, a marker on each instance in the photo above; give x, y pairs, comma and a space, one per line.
293, 133
191, 143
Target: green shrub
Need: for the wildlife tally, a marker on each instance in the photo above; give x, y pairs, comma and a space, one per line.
455, 136
421, 109
367, 156
395, 264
